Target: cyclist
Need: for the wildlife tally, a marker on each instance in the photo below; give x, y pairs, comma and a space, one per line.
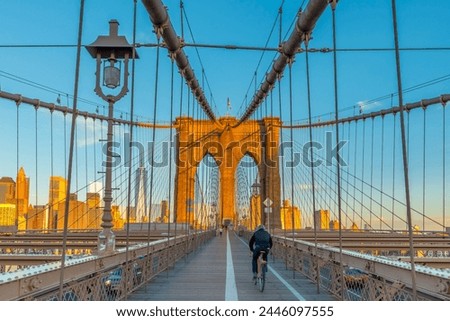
260, 241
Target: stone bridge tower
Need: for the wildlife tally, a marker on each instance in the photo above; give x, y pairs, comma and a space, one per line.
227, 143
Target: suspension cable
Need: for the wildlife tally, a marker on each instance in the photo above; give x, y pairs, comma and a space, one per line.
155, 104
130, 149
371, 171
71, 147
423, 167
283, 191
393, 163
313, 183
404, 152
443, 166
292, 160
36, 158
382, 171
169, 201
338, 165
354, 171
362, 167
16, 221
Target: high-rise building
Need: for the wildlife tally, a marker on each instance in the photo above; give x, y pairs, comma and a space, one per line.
22, 192
141, 193
8, 215
7, 190
94, 210
38, 217
322, 219
164, 218
334, 225
78, 216
287, 216
117, 217
56, 198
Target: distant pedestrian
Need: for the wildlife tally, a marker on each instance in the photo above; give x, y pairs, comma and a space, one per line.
220, 232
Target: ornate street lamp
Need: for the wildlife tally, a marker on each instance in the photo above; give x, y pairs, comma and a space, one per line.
256, 188
109, 51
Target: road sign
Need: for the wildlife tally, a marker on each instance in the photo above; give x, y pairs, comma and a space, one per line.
268, 202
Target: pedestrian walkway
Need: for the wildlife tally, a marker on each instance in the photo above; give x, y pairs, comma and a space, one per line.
220, 271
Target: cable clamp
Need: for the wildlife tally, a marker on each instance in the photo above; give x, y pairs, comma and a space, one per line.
333, 4
19, 101
443, 102
423, 105
37, 105
306, 37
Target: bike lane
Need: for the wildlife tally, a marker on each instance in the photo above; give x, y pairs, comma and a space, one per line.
280, 283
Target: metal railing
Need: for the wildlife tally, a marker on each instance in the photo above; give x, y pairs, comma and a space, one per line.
366, 277
95, 278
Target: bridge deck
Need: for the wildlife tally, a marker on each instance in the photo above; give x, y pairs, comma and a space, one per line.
221, 270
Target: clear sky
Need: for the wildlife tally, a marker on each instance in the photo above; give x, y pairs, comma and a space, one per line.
363, 74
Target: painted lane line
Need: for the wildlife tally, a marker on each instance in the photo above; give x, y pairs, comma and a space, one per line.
230, 286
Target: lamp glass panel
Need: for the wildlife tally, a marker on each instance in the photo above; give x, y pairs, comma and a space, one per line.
111, 76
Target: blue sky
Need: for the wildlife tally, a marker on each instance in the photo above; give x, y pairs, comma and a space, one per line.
363, 75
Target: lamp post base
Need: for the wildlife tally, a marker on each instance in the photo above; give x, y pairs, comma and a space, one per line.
106, 242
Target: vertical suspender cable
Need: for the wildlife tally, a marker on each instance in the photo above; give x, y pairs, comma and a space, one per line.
338, 165
187, 205
311, 164
354, 172
443, 166
404, 152
362, 172
371, 175
169, 201
51, 165
347, 211
155, 105
175, 218
36, 159
292, 164
65, 145
393, 171
130, 149
71, 147
85, 165
16, 220
424, 168
382, 172
283, 190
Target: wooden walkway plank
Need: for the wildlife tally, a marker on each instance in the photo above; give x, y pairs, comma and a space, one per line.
202, 276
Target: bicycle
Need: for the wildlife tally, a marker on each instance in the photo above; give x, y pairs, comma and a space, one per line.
261, 271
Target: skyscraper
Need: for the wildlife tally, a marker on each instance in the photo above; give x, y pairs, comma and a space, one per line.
322, 219
22, 192
7, 215
56, 197
140, 204
94, 210
7, 190
287, 216
38, 217
78, 216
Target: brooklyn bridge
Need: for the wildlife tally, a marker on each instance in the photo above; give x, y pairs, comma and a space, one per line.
131, 134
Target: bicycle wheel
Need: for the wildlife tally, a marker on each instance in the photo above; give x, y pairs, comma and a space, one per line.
262, 280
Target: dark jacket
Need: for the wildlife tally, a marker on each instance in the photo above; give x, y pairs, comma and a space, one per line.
260, 239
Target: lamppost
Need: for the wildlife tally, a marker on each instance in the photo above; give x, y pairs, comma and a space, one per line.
110, 51
214, 213
256, 202
255, 188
